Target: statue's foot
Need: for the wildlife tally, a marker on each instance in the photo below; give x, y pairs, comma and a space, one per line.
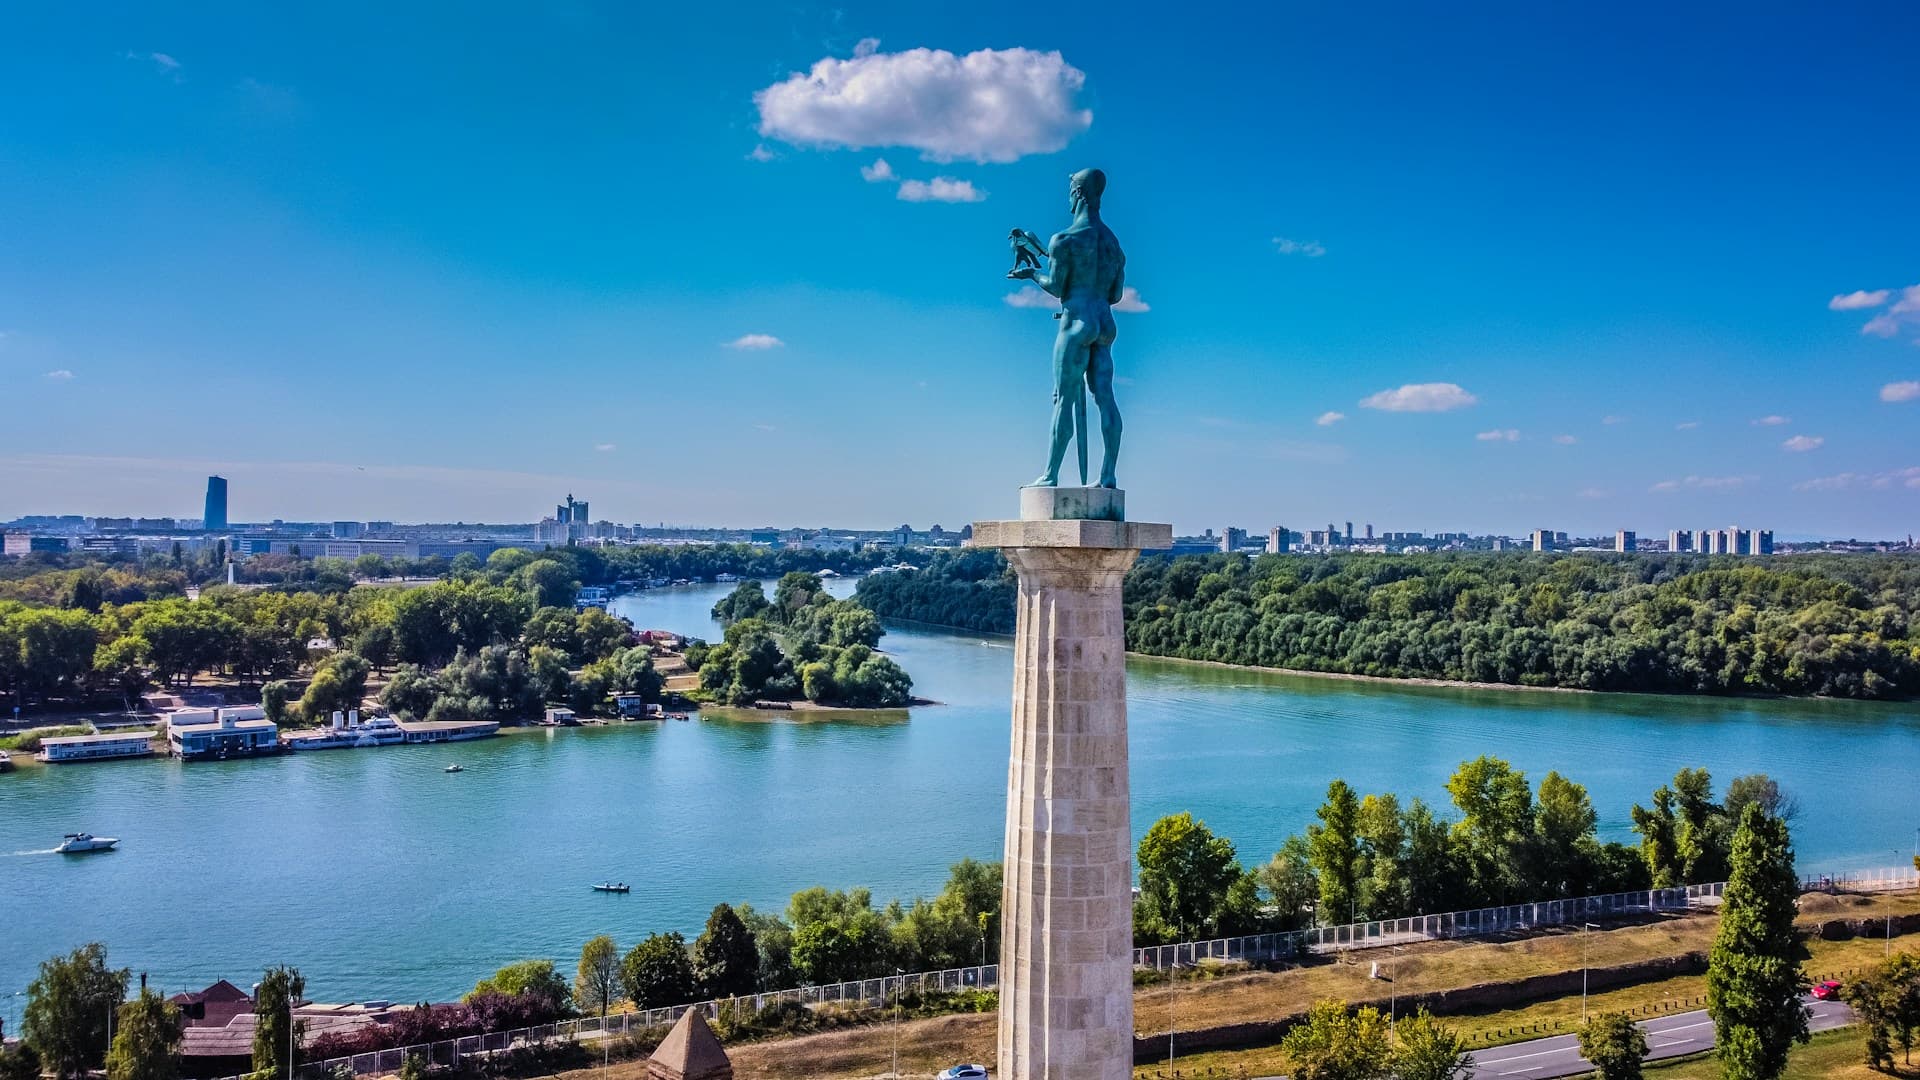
1109, 482
1046, 481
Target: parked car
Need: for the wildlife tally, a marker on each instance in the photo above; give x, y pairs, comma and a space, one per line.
965, 1072
1828, 990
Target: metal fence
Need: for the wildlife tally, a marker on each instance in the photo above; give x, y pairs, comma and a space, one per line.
1371, 934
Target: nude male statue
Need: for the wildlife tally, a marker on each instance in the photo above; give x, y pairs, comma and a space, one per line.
1086, 272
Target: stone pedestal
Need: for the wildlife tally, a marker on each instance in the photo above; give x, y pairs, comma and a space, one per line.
1066, 948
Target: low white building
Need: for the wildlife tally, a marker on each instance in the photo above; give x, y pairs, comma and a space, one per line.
218, 734
117, 744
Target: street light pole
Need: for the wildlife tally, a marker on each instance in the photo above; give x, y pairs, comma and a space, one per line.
900, 982
1586, 934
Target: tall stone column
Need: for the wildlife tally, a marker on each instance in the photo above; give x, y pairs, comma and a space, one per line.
1066, 945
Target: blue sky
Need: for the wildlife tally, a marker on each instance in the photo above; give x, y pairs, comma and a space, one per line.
1577, 269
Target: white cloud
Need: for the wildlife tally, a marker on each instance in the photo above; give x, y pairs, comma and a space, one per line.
1595, 493
162, 63
761, 153
1900, 391
1800, 444
1500, 435
940, 189
1908, 477
1701, 483
1881, 326
60, 375
755, 341
1328, 419
1565, 440
1772, 421
1420, 397
1312, 249
877, 173
1686, 425
1610, 420
1032, 296
995, 105
1859, 299
605, 447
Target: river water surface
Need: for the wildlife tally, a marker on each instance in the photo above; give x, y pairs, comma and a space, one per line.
380, 876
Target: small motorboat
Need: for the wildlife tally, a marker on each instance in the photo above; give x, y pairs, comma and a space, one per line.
613, 886
79, 843
455, 768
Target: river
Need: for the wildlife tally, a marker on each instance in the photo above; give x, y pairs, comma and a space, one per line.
381, 876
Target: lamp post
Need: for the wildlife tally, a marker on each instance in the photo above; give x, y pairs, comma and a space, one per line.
1586, 933
900, 982
1886, 948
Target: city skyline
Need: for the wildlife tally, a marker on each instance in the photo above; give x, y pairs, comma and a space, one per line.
1488, 268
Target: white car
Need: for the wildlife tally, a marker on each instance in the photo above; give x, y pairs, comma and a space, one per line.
965, 1072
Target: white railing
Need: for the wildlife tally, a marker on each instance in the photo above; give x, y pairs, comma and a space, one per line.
1368, 934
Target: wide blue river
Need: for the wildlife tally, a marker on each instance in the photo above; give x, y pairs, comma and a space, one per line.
381, 876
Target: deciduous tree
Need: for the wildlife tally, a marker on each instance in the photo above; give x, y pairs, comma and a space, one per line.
1754, 985
68, 1006
146, 1040
1614, 1045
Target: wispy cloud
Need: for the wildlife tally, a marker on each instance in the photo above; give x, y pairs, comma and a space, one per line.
765, 427
1420, 397
1771, 421
1908, 477
161, 63
1595, 493
1900, 391
944, 189
59, 375
1565, 440
1312, 249
605, 447
1859, 299
1130, 301
761, 152
1500, 435
1800, 444
1030, 296
755, 341
994, 105
1686, 425
1700, 483
1611, 420
877, 173
1330, 418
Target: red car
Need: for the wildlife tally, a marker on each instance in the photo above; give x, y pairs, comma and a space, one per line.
1828, 990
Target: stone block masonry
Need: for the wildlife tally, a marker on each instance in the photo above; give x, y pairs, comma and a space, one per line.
1066, 951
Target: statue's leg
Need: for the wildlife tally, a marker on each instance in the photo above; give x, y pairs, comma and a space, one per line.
1100, 379
1069, 366
1080, 436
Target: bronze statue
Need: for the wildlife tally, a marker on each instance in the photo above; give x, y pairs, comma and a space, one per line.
1087, 272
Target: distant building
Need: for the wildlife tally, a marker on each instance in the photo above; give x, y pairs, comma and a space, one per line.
1763, 542
1278, 540
1704, 541
349, 530
1542, 539
20, 543
215, 517
1233, 540
1679, 540
217, 734
113, 744
1369, 532
1349, 533
1624, 540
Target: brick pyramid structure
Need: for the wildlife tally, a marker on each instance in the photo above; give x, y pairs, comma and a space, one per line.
691, 1051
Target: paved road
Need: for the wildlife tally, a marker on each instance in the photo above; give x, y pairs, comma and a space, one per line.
1667, 1036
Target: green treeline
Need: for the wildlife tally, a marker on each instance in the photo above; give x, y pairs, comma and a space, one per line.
1368, 857
1809, 625
802, 643
494, 641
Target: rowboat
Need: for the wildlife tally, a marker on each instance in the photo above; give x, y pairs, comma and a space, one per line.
608, 886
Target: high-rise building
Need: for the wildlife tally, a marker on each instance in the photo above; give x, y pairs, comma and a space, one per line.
1542, 539
1679, 540
1232, 539
349, 530
1278, 540
1763, 541
215, 517
1349, 532
1625, 540
1369, 532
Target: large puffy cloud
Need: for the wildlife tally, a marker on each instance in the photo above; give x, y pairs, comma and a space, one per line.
1420, 397
992, 105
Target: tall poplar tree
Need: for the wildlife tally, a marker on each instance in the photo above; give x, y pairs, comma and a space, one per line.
277, 1033
1754, 985
1334, 845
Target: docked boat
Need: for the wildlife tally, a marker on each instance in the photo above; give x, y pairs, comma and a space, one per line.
79, 843
611, 886
455, 768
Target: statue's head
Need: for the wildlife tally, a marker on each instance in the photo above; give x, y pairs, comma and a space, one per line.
1085, 188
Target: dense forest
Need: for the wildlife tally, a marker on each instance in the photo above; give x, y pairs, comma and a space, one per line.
1840, 625
801, 644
